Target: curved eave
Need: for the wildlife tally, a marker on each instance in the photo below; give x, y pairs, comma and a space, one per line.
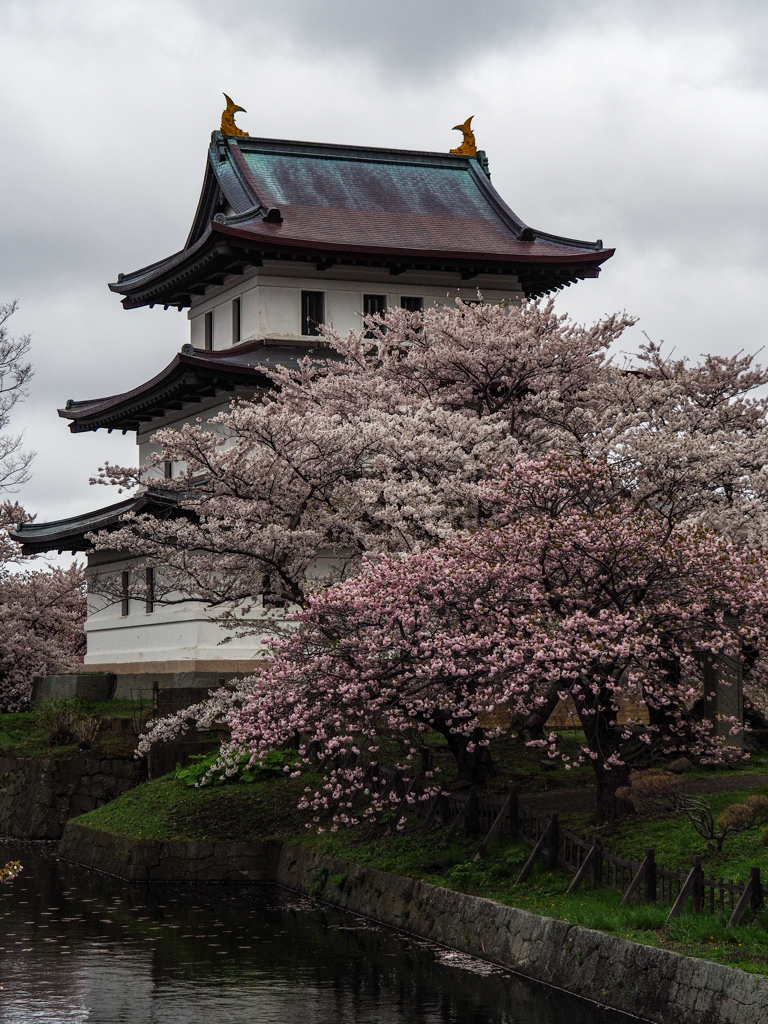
185, 381
227, 250
70, 534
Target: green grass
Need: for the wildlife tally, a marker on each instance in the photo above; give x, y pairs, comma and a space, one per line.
23, 734
755, 764
166, 809
453, 866
675, 840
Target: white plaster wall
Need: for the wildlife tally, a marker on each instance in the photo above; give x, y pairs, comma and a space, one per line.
172, 633
197, 332
278, 311
271, 298
193, 414
185, 633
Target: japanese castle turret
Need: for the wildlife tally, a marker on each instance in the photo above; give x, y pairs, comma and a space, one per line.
286, 235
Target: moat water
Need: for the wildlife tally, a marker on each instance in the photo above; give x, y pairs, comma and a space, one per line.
78, 946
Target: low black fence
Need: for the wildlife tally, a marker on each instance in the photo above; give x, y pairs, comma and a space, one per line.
587, 860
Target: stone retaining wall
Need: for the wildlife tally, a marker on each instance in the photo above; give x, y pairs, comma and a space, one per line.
39, 795
148, 860
657, 985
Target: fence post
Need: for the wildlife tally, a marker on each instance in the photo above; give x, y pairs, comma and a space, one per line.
752, 895
597, 863
757, 889
443, 808
694, 881
697, 892
650, 876
458, 821
641, 876
554, 840
543, 839
508, 808
512, 814
581, 874
431, 812
472, 817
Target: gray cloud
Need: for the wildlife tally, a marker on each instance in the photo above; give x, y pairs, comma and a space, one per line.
626, 119
438, 37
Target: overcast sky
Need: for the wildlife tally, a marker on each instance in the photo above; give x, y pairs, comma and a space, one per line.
642, 123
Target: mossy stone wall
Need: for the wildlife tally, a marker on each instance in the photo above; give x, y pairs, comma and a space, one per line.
38, 795
661, 986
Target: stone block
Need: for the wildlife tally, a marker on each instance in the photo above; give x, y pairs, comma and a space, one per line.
670, 988
88, 685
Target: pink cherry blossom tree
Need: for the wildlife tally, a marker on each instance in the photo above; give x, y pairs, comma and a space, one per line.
381, 447
387, 447
572, 586
42, 613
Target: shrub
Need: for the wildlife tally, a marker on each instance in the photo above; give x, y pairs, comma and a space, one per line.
211, 769
744, 816
86, 730
65, 721
653, 789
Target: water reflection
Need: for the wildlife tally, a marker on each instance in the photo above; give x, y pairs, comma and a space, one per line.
77, 946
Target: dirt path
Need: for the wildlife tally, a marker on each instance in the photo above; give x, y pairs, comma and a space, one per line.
565, 801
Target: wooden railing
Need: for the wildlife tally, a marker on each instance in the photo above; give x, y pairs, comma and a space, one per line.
494, 816
637, 879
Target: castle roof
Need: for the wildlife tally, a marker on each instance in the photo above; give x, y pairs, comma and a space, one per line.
70, 534
355, 206
190, 377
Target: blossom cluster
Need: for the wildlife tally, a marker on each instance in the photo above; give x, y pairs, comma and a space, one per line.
10, 871
42, 614
572, 588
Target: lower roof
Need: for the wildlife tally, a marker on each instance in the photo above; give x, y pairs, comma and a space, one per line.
190, 377
70, 534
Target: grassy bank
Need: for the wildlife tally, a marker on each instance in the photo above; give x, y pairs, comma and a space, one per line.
27, 733
166, 809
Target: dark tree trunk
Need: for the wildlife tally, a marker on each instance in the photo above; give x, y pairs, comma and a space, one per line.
610, 805
532, 724
473, 766
598, 715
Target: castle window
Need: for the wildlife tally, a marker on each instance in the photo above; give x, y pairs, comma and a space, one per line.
312, 312
125, 581
209, 331
168, 470
235, 321
413, 303
373, 305
149, 582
